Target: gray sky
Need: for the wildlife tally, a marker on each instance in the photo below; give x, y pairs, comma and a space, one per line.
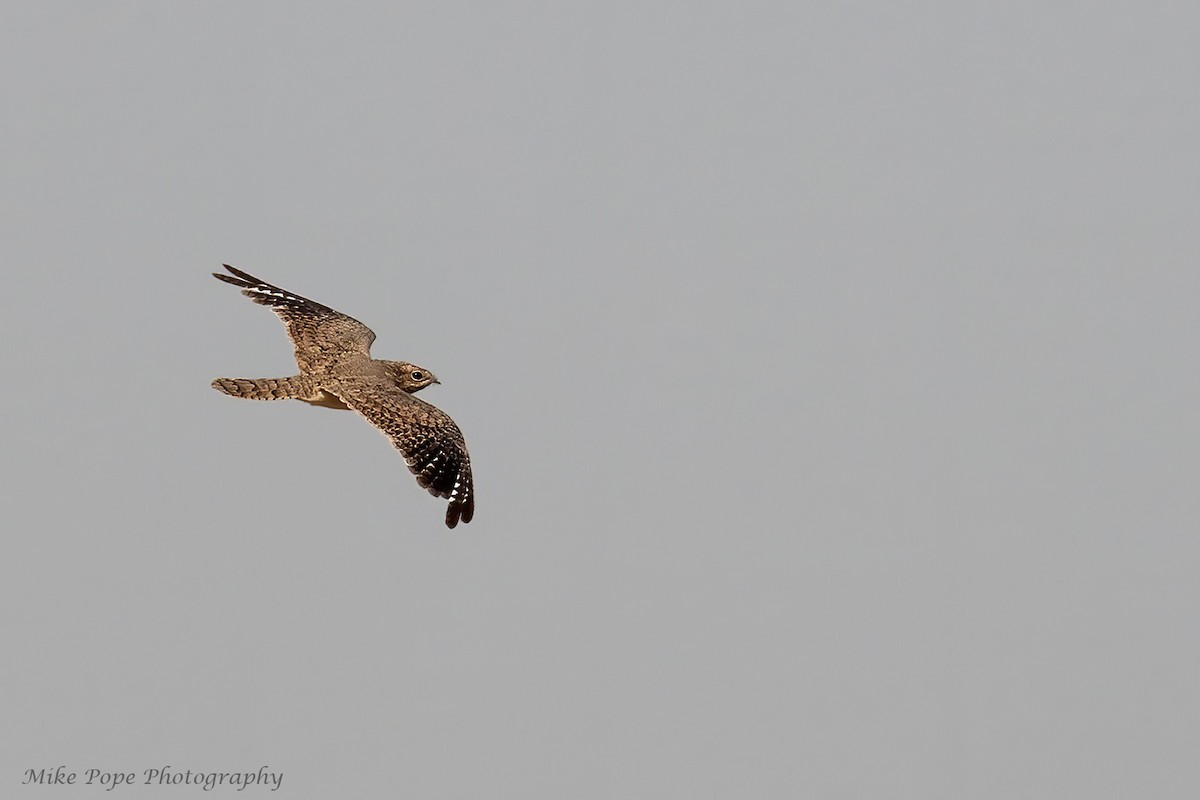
829, 375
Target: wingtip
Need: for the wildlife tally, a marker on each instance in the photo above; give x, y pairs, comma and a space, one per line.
234, 271
246, 276
460, 512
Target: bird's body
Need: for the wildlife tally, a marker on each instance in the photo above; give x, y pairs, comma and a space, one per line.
333, 352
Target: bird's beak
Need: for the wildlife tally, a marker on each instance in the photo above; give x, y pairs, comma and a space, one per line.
435, 380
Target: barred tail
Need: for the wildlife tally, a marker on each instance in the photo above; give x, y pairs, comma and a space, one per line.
297, 387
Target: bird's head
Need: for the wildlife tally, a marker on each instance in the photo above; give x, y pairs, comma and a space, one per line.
410, 377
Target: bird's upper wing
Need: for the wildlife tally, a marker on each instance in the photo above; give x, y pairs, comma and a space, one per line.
320, 334
429, 440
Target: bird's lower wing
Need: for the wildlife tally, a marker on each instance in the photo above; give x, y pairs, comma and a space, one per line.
427, 437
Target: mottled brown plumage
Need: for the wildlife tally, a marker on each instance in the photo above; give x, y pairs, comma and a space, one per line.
333, 352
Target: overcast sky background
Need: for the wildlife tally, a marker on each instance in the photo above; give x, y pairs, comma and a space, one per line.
829, 375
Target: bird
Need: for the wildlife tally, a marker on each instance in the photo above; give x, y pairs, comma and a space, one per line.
333, 352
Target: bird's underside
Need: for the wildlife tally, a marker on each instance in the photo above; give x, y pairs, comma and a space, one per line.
333, 352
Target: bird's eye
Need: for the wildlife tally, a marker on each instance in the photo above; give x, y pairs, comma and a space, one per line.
417, 375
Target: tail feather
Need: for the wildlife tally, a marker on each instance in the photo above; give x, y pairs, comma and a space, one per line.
297, 387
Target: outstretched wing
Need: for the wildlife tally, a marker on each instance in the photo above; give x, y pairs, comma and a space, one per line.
429, 440
320, 335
